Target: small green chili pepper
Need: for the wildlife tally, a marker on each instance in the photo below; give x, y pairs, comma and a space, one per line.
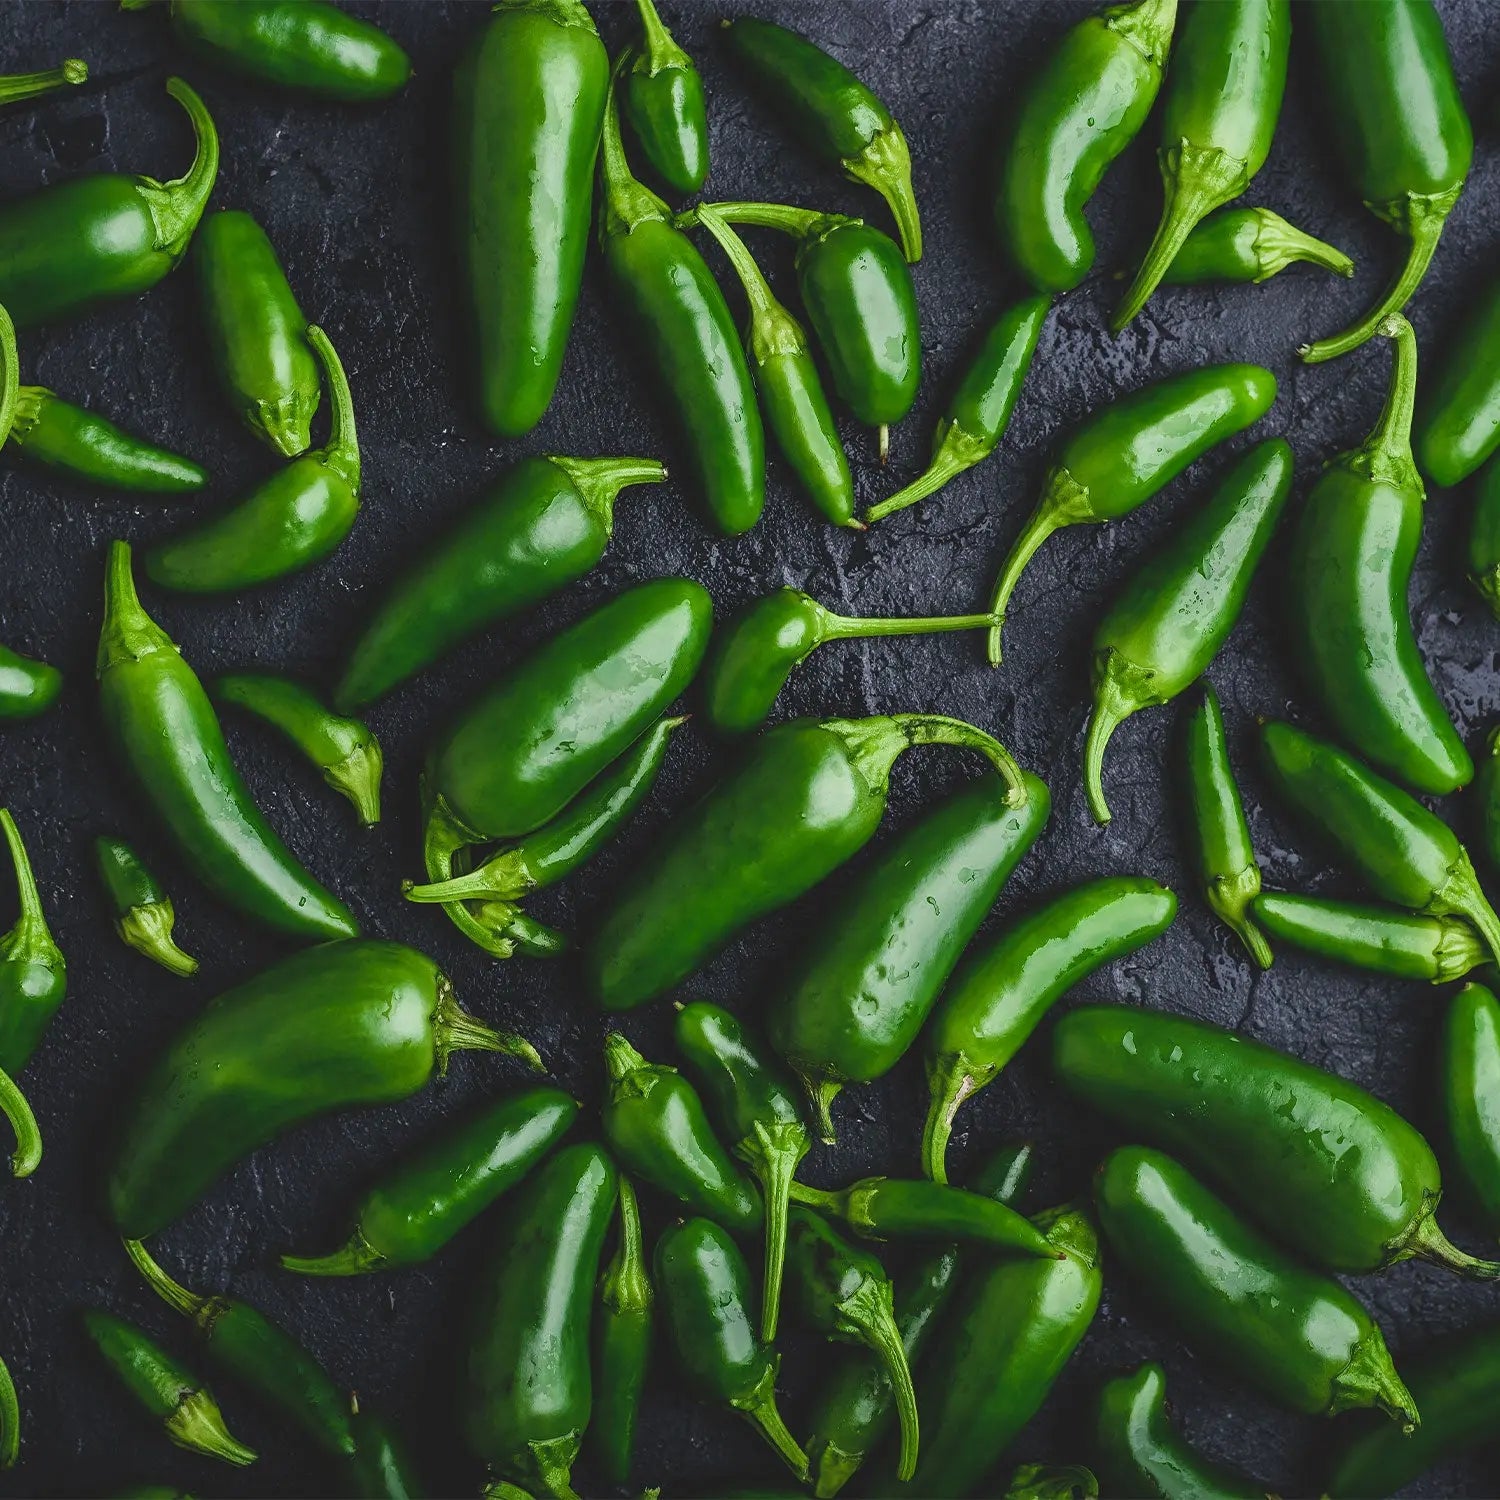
1223, 97
256, 331
664, 104
1249, 245
1458, 417
344, 751
381, 1468
1484, 537
165, 1388
294, 519
545, 524
1399, 124
27, 1156
807, 797
28, 687
14, 87
167, 736
1052, 1482
33, 971
77, 243
704, 1285
977, 416
10, 1420
1379, 938
1295, 1333
417, 1208
834, 113
756, 1108
1331, 1171
1471, 1096
859, 996
1405, 854
529, 1387
1173, 614
656, 1125
622, 1346
1226, 856
999, 996
142, 910
1078, 111
773, 635
1351, 557
1124, 453
345, 1024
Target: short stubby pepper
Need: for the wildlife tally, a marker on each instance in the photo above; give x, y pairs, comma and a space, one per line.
1470, 1066
1249, 245
664, 103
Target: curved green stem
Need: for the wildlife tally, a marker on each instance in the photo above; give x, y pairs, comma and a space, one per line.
870, 1318
1279, 244
774, 1153
1039, 526
760, 1410
1428, 1242
1463, 896
1387, 450
13, 1105
885, 165
821, 1092
457, 1031
661, 50
773, 330
949, 1084
1113, 704
356, 1258
173, 1293
627, 200
846, 628
940, 729
18, 86
1229, 898
502, 877
341, 453
177, 206
797, 222
31, 930
600, 480
957, 453
148, 929
10, 1420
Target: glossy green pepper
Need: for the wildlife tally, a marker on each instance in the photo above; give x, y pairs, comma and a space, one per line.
528, 102
27, 1156
415, 1209
10, 1420
1458, 416
167, 736
999, 996
1382, 939
1404, 853
33, 972
773, 635
704, 1285
622, 1345
529, 1388
292, 520
664, 103
1077, 112
14, 87
805, 799
1124, 453
256, 331
979, 412
1487, 789
142, 910
381, 1468
543, 525
1249, 245
346, 754
1484, 537
856, 1000
1350, 564
354, 1023
1471, 1096
166, 1389
1331, 1171
1223, 97
77, 243
1295, 1333
834, 113
27, 687
1172, 616
1399, 124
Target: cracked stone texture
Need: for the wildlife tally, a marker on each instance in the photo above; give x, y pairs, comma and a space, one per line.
354, 200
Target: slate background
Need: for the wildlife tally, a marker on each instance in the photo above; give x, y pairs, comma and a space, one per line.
354, 201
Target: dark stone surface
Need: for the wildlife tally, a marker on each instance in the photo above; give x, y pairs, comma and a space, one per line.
354, 202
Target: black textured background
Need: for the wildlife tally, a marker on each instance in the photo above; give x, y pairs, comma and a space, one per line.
354, 201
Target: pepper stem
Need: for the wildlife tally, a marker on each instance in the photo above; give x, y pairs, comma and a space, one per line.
1112, 706
198, 1426
773, 330
357, 777
760, 1410
14, 1106
457, 1031
627, 200
176, 206
1229, 898
821, 1092
1279, 244
957, 452
869, 1316
443, 837
662, 50
1428, 1242
18, 86
1039, 526
949, 1084
1462, 894
800, 223
940, 729
173, 1293
342, 451
1387, 450
31, 929
774, 1153
503, 877
148, 929
845, 628
10, 1420
600, 480
885, 165
128, 632
356, 1258
10, 375
516, 932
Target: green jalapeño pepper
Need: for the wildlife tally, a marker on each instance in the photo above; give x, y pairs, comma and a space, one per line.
346, 754
1076, 114
1399, 124
1172, 617
77, 243
346, 1024
807, 797
27, 1156
1294, 1332
381, 1467
294, 519
1484, 537
14, 87
10, 1420
665, 106
166, 734
1126, 452
528, 101
755, 1106
1458, 417
1404, 853
772, 636
1249, 245
1331, 1171
1471, 1096
979, 413
622, 1345
704, 1286
142, 910
414, 1210
1137, 1452
545, 524
256, 331
858, 997
1000, 995
529, 1387
165, 1388
33, 972
1351, 559
1222, 101
834, 113
28, 687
